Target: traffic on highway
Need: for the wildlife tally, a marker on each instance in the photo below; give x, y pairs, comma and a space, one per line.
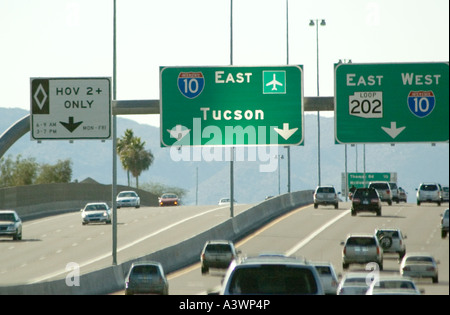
306, 250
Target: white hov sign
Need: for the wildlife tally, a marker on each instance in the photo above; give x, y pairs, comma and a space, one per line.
70, 108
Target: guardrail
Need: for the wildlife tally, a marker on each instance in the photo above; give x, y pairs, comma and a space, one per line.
174, 257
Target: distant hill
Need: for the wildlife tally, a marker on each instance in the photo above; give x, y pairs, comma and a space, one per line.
413, 163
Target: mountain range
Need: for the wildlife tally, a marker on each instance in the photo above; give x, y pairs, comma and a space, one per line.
414, 163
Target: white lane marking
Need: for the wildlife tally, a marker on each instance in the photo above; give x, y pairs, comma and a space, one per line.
315, 233
98, 258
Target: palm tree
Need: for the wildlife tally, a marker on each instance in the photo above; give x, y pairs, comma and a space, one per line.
134, 157
122, 146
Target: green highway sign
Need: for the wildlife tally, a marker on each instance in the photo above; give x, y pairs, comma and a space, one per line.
391, 103
231, 106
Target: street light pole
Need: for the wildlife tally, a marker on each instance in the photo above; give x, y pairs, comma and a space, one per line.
288, 148
316, 23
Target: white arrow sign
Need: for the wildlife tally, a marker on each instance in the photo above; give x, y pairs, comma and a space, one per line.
286, 133
178, 132
393, 131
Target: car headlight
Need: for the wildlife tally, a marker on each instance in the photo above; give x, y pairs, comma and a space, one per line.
11, 228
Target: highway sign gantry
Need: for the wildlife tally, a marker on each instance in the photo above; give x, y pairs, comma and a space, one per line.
231, 106
70, 108
392, 103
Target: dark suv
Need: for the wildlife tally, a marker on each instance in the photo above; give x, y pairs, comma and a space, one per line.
366, 200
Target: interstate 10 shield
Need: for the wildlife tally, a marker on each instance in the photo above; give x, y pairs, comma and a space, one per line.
191, 84
421, 103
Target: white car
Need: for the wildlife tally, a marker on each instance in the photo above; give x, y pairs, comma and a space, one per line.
328, 276
420, 265
355, 283
128, 199
429, 192
393, 285
271, 274
326, 195
96, 213
225, 201
10, 224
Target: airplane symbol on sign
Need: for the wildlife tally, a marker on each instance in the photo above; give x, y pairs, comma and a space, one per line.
274, 83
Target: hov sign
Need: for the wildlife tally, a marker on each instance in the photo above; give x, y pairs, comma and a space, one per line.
70, 108
390, 103
231, 106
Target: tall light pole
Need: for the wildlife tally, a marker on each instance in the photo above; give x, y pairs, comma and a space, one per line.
232, 149
288, 148
114, 147
279, 157
316, 23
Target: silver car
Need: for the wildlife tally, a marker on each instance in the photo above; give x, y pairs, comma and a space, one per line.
326, 195
362, 249
392, 241
384, 190
10, 224
96, 213
128, 199
355, 283
146, 278
217, 254
429, 192
393, 285
271, 274
420, 265
328, 276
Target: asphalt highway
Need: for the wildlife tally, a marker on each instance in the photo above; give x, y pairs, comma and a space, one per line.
49, 244
316, 234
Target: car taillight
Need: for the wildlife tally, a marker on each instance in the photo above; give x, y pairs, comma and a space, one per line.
356, 200
430, 268
378, 250
345, 250
375, 200
388, 192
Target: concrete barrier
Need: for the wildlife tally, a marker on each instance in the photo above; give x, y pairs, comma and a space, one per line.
174, 257
37, 201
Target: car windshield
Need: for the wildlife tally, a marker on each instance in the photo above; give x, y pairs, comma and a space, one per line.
356, 281
361, 241
327, 190
323, 270
96, 207
144, 270
388, 233
428, 187
218, 248
379, 185
395, 284
7, 217
419, 259
127, 194
273, 279
365, 193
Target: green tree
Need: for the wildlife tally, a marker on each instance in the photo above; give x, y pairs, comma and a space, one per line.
19, 172
61, 172
135, 159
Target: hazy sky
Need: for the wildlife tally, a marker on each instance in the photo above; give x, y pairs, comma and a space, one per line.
73, 38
